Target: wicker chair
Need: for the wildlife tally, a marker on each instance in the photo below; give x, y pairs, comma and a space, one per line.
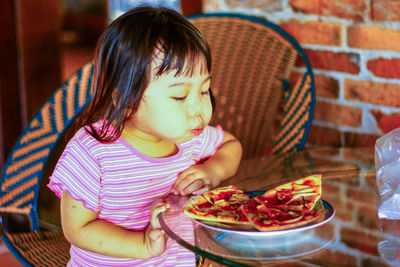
252, 63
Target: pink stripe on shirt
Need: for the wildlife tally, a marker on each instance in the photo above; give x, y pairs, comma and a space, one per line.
119, 183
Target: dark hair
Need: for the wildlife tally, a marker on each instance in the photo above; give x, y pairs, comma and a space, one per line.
123, 63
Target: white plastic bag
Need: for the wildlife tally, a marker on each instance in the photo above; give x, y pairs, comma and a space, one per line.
387, 164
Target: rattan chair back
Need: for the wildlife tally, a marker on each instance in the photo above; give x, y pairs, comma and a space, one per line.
24, 168
252, 63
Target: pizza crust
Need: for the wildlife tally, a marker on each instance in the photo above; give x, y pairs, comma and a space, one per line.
287, 206
219, 205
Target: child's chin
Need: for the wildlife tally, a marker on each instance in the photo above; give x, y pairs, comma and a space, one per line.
184, 139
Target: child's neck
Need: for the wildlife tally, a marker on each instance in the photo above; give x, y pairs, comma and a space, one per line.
147, 144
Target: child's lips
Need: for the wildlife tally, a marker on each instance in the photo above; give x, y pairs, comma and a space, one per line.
197, 131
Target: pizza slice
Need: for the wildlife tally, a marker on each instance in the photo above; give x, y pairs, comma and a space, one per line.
286, 206
289, 205
300, 195
221, 193
219, 205
271, 219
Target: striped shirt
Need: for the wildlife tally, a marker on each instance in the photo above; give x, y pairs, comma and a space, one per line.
119, 184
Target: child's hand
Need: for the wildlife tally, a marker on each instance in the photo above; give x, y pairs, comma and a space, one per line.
155, 237
198, 179
194, 180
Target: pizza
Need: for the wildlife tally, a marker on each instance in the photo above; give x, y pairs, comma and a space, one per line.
298, 195
220, 205
289, 205
286, 206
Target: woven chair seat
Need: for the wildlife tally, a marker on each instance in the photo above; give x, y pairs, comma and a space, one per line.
40, 248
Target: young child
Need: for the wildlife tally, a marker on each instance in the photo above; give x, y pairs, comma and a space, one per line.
146, 136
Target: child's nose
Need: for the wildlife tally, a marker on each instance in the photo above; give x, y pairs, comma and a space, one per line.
195, 108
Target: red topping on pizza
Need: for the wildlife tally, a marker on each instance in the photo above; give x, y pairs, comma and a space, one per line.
286, 206
220, 205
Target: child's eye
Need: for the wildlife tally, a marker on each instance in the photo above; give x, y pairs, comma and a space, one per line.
206, 92
179, 98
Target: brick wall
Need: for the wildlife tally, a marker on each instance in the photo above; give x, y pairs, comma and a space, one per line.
354, 48
360, 236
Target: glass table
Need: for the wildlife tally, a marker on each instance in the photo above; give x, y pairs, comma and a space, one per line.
353, 236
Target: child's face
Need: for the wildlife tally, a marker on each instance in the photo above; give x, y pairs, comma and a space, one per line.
175, 109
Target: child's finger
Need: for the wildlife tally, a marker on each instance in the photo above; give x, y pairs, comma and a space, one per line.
156, 234
159, 203
156, 241
201, 190
183, 174
189, 183
184, 179
154, 214
194, 186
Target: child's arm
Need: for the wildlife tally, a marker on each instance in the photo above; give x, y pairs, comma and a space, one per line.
83, 229
209, 174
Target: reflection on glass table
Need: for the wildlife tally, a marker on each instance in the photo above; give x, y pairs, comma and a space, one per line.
238, 248
355, 236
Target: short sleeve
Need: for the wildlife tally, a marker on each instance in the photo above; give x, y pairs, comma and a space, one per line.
210, 140
78, 173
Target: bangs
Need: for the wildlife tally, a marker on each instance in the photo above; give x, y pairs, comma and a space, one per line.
185, 52
185, 65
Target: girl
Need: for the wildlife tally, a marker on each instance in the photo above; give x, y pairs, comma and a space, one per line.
146, 136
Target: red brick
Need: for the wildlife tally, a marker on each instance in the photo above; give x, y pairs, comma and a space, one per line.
348, 9
352, 139
388, 10
361, 196
286, 263
338, 114
389, 226
344, 215
351, 178
344, 209
320, 153
325, 86
365, 242
368, 261
386, 122
371, 179
349, 173
325, 231
335, 258
264, 5
306, 6
386, 94
328, 189
363, 155
373, 37
336, 61
323, 136
314, 32
367, 217
383, 67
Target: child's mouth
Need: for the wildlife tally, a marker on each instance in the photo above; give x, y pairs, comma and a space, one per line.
197, 131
